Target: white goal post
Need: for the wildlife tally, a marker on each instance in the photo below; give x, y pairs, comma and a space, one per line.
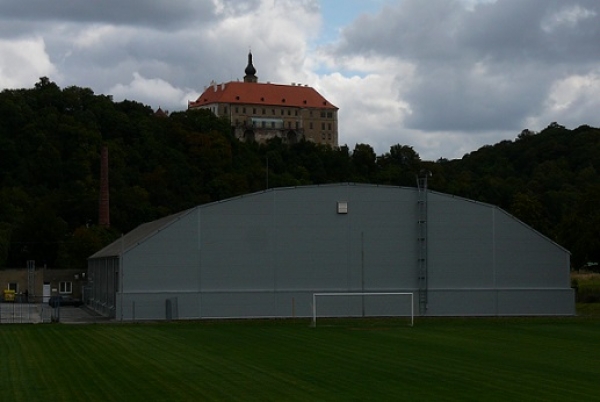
315, 295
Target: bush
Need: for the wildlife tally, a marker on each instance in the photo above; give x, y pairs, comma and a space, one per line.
587, 286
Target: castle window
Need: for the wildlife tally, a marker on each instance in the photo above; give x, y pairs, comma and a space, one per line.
264, 111
322, 126
253, 110
237, 110
329, 126
330, 115
310, 125
244, 110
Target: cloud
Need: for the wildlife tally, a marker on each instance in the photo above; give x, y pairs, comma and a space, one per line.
153, 91
572, 101
104, 55
481, 70
23, 62
157, 13
568, 17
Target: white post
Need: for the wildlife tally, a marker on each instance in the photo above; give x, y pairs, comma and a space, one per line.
412, 311
314, 309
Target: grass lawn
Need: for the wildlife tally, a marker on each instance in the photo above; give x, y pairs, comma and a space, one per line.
451, 359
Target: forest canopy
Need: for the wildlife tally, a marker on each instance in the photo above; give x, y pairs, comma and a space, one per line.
51, 138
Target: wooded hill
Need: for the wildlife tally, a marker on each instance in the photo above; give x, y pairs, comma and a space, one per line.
50, 142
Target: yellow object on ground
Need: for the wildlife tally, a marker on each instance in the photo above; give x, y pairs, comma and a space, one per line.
9, 295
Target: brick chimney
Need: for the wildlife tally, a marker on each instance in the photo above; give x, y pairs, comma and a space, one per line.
104, 212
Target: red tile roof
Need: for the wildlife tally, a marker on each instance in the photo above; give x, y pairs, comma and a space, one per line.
250, 93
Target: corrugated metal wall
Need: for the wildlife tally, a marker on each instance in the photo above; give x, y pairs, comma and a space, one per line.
103, 285
265, 254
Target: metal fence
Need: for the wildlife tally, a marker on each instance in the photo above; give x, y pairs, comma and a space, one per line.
25, 313
36, 313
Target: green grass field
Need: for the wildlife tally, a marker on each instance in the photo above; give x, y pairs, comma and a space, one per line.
491, 359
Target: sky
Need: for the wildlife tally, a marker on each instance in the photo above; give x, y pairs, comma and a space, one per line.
445, 77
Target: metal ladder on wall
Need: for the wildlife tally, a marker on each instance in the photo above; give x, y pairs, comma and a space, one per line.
30, 280
422, 240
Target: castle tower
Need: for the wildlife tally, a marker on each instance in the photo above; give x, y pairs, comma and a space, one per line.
250, 70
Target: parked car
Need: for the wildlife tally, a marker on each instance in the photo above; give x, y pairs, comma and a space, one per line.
62, 301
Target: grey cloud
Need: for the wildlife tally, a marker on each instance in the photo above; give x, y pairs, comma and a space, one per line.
503, 30
408, 30
513, 30
157, 13
488, 68
448, 98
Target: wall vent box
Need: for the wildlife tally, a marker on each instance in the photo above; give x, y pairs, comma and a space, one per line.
342, 207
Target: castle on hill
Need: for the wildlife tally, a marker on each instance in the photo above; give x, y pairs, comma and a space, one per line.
261, 111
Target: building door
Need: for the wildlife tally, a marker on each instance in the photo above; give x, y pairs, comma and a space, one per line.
46, 292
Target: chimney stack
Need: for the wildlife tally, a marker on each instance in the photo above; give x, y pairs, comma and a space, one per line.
104, 213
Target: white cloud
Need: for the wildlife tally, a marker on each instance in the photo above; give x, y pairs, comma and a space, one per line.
572, 101
277, 31
371, 111
567, 17
153, 91
23, 62
95, 34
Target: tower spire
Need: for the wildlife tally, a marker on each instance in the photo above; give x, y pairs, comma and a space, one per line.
250, 70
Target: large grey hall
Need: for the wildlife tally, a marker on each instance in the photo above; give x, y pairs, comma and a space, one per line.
266, 254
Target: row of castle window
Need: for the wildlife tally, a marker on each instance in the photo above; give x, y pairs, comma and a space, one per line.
324, 126
272, 124
328, 115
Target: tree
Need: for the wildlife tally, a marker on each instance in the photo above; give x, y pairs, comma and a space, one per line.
528, 208
364, 162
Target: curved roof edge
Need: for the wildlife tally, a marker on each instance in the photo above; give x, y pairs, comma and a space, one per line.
138, 235
497, 208
147, 230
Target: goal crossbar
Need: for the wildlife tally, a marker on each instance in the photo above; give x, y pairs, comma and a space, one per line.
315, 295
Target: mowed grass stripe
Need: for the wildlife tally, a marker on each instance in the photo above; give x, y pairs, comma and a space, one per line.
504, 357
438, 359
